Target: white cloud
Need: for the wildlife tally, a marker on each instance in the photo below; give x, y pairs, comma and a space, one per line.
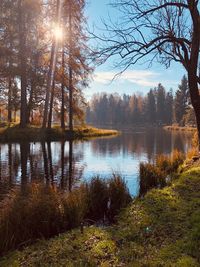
144, 78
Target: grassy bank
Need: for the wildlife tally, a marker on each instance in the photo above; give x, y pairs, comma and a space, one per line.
161, 229
41, 211
179, 128
31, 133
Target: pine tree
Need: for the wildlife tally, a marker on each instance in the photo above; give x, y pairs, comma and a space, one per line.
181, 100
151, 107
160, 104
169, 108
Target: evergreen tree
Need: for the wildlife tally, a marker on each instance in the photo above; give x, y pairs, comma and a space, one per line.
151, 107
169, 108
181, 100
160, 104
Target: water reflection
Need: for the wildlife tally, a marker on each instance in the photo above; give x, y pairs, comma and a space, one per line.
63, 164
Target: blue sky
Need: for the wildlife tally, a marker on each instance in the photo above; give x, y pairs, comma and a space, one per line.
137, 79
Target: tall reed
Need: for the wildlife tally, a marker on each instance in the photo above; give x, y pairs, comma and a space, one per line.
40, 211
155, 175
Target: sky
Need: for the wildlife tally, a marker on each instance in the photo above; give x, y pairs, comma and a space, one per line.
137, 79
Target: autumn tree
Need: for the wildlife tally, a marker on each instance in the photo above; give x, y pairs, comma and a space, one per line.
77, 68
160, 30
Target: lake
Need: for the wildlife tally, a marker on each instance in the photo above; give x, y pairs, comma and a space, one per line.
65, 164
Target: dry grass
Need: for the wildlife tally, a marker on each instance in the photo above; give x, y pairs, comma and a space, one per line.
40, 211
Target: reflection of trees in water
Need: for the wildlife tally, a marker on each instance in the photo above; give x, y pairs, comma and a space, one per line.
150, 141
37, 162
9, 166
106, 146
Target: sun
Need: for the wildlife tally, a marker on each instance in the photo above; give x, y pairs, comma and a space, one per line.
57, 32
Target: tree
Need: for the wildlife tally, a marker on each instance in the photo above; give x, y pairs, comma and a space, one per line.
160, 30
151, 107
160, 104
169, 107
181, 100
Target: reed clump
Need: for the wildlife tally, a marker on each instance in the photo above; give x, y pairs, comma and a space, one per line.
40, 211
158, 173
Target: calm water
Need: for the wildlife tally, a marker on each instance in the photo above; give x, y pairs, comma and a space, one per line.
65, 163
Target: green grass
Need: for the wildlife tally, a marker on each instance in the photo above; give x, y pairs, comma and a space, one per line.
161, 229
31, 133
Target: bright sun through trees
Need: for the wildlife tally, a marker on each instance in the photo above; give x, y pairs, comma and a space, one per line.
57, 32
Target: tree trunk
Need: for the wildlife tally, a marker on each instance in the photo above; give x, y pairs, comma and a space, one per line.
70, 72
63, 92
51, 68
22, 57
51, 104
9, 100
30, 103
195, 99
49, 83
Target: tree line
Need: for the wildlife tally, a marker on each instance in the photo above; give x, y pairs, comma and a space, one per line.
157, 107
43, 60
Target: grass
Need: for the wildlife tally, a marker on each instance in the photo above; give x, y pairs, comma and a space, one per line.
41, 211
33, 133
161, 229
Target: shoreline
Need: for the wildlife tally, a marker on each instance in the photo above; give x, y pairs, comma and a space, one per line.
31, 133
180, 128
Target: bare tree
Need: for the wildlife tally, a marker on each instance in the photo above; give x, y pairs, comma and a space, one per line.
161, 30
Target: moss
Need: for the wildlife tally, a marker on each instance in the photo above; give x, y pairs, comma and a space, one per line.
161, 229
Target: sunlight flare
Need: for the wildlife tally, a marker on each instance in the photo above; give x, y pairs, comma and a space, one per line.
58, 32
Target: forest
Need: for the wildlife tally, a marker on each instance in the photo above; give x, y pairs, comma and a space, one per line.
44, 61
158, 107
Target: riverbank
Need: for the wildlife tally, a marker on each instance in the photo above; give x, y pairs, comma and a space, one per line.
179, 128
161, 229
31, 133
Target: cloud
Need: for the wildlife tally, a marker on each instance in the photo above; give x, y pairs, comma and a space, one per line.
144, 78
